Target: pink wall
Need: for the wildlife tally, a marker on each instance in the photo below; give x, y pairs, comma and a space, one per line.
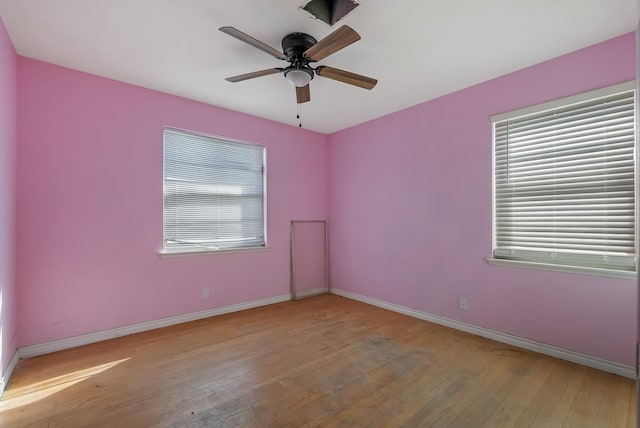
90, 205
8, 289
410, 213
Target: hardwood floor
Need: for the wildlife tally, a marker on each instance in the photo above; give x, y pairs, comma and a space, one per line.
324, 361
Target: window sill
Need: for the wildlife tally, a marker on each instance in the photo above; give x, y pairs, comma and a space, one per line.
560, 268
168, 254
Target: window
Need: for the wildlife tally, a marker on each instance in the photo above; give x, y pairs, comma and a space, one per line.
564, 182
213, 193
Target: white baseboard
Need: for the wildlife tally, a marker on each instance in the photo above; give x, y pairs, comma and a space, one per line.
4, 380
71, 342
313, 292
85, 339
531, 345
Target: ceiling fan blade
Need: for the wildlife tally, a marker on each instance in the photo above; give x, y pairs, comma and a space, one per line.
346, 77
233, 32
303, 94
241, 77
335, 41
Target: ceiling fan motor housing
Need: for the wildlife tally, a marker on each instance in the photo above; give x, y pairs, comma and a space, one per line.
294, 45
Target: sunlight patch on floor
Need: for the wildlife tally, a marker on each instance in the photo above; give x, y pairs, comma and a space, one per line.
29, 394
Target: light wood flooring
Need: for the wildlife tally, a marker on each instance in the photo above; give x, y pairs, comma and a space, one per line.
324, 361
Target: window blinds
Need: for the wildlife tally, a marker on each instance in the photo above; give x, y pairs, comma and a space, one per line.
213, 193
564, 184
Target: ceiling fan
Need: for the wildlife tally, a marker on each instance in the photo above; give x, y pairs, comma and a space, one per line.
300, 50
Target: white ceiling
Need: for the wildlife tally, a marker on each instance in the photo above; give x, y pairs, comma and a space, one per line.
417, 49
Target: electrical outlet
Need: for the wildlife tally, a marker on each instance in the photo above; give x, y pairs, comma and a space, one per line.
205, 293
463, 304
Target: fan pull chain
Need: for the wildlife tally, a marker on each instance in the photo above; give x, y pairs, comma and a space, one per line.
298, 116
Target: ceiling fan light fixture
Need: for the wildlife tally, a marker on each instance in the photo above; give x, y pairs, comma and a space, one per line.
299, 77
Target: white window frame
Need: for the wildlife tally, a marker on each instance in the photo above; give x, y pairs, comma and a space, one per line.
208, 249
564, 264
